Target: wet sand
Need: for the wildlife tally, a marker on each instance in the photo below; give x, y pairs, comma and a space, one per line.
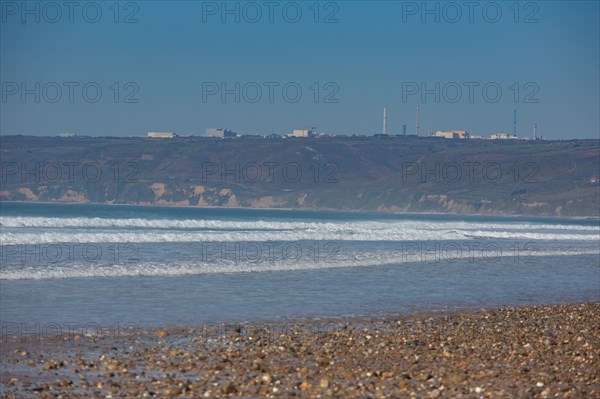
525, 352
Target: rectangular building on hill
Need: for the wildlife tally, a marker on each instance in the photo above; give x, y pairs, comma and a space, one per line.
219, 132
161, 135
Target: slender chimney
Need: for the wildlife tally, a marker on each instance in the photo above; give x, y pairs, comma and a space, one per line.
384, 120
417, 130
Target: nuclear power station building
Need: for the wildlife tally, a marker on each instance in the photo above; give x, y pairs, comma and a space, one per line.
221, 133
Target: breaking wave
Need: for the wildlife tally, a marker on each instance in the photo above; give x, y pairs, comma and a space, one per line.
81, 222
39, 230
197, 267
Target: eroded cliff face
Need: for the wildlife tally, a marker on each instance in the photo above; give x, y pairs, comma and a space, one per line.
165, 195
393, 175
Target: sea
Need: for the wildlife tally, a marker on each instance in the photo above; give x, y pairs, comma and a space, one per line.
176, 266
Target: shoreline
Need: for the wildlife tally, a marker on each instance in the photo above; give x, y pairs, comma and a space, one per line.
217, 327
531, 351
335, 211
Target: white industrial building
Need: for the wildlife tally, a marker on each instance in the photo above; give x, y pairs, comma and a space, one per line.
304, 133
453, 134
220, 132
161, 135
503, 136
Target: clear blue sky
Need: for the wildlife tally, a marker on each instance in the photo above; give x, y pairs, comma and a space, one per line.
370, 56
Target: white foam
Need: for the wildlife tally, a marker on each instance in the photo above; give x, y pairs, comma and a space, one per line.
223, 236
262, 236
81, 222
39, 230
195, 267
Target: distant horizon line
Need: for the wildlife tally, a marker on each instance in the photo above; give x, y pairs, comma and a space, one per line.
287, 136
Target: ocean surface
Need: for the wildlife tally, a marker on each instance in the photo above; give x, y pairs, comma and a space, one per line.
158, 266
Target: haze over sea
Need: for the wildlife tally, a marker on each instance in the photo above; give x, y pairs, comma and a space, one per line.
187, 266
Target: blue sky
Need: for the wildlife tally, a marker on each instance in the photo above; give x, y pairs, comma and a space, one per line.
367, 57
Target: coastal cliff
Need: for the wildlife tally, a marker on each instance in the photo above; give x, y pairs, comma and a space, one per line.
386, 174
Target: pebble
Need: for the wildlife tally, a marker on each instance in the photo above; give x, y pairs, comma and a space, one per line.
266, 378
435, 393
544, 351
229, 388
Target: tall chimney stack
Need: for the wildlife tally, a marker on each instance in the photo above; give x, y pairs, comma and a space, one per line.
384, 120
417, 130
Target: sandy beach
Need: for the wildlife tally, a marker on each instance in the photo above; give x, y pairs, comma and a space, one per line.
524, 352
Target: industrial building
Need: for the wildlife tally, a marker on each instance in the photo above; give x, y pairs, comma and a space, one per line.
453, 134
304, 133
161, 135
222, 133
447, 134
503, 136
